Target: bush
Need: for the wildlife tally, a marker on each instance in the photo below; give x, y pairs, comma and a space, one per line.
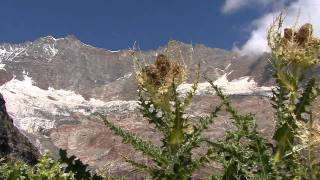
47, 168
66, 168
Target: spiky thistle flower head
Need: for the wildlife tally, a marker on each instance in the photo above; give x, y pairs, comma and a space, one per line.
294, 47
161, 76
160, 79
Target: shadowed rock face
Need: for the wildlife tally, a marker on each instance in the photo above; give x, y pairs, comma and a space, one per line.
13, 144
54, 109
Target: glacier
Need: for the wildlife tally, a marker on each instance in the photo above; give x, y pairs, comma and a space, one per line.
26, 102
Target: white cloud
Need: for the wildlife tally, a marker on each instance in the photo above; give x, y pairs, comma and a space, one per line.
307, 10
234, 5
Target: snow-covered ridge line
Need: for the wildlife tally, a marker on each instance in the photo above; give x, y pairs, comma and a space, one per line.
43, 48
52, 38
10, 52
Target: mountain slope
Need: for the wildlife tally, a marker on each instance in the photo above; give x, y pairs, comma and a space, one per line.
52, 86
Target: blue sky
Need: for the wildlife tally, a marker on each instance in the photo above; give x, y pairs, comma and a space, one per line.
117, 24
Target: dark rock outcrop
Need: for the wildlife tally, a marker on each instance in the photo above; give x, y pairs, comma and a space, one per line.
14, 145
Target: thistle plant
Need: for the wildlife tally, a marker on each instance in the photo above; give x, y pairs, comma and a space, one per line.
161, 104
295, 54
244, 152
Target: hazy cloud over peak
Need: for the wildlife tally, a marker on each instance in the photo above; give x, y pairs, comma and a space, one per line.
304, 10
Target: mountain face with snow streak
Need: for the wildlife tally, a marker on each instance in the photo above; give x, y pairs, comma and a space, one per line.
52, 87
69, 64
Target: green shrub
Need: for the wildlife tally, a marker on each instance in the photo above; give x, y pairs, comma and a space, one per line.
47, 168
66, 168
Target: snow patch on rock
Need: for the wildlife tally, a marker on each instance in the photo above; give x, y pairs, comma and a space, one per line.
126, 76
2, 66
35, 110
50, 50
241, 86
9, 53
114, 51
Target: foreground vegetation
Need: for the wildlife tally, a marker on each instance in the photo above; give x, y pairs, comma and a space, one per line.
244, 153
66, 168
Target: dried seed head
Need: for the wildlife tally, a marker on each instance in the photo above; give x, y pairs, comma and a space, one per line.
288, 34
304, 34
160, 79
297, 48
153, 75
161, 75
163, 64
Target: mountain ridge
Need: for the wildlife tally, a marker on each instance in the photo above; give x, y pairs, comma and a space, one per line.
52, 87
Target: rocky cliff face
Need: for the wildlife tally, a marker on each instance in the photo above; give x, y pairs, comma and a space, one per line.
13, 144
69, 64
52, 86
